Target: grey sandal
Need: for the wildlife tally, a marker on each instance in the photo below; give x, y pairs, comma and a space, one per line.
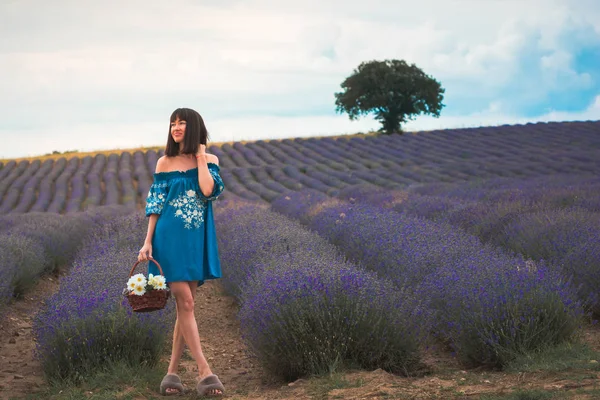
211, 382
171, 381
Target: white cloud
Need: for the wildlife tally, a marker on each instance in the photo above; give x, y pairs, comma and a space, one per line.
494, 115
558, 72
592, 113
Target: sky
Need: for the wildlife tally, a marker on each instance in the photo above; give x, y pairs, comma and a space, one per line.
96, 75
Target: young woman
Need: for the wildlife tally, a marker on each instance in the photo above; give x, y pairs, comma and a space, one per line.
181, 236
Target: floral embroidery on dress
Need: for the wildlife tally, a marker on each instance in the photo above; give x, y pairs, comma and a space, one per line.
156, 198
189, 208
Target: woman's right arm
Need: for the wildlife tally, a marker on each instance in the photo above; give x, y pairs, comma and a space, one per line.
145, 252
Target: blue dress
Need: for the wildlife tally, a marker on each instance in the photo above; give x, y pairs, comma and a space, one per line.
185, 240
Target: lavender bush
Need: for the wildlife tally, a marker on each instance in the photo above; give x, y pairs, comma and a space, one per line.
398, 247
567, 238
7, 222
87, 324
551, 234
77, 188
406, 201
304, 308
23, 259
45, 190
521, 219
61, 188
554, 191
582, 264
31, 187
488, 220
304, 321
478, 292
60, 235
434, 208
34, 244
493, 309
297, 205
368, 193
17, 186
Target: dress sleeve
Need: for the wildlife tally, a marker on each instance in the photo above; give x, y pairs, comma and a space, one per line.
157, 195
219, 185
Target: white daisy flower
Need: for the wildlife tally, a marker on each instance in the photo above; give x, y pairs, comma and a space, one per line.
139, 290
139, 279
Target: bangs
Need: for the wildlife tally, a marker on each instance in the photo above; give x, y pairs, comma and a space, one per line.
184, 114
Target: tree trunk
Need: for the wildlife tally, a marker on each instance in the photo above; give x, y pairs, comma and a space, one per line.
390, 123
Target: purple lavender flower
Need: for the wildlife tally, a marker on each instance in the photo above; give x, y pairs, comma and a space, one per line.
87, 323
306, 309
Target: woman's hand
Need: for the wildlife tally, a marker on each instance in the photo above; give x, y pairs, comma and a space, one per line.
145, 252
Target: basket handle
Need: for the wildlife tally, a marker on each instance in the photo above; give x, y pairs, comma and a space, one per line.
139, 261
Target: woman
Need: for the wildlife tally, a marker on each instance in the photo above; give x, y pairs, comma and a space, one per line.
181, 236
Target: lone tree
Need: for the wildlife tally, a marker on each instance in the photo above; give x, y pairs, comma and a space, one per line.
393, 90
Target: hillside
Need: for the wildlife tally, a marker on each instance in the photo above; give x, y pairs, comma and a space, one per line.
262, 170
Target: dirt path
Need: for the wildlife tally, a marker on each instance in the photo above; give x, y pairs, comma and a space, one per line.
222, 345
19, 372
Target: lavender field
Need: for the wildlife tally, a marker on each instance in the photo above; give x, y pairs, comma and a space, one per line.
262, 170
358, 251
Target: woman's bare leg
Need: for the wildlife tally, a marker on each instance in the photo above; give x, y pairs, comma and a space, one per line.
186, 329
178, 341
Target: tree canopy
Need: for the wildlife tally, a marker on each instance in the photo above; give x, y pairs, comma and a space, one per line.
391, 89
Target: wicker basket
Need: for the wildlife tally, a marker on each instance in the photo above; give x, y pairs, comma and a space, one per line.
152, 300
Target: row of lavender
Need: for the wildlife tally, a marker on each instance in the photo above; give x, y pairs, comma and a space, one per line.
83, 187
556, 219
490, 305
87, 325
84, 327
264, 169
33, 245
421, 148
514, 142
75, 185
304, 308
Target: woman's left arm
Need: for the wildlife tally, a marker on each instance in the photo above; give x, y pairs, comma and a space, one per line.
205, 179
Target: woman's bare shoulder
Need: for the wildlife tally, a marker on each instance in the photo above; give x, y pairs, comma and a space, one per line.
212, 158
162, 165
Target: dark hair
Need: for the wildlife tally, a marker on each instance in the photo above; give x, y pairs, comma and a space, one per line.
195, 132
